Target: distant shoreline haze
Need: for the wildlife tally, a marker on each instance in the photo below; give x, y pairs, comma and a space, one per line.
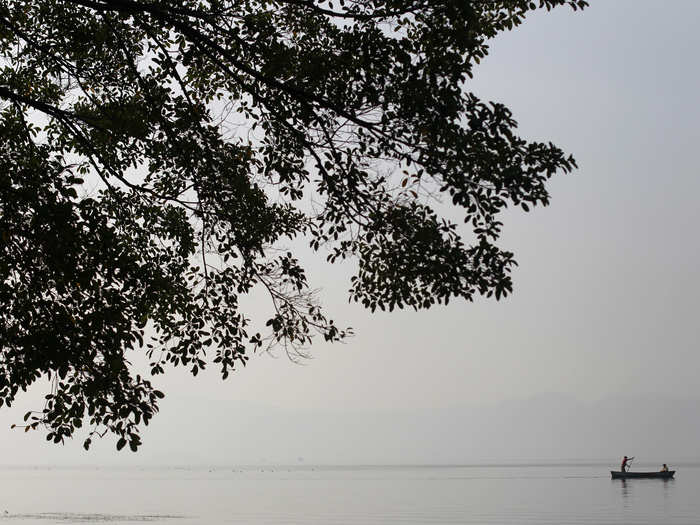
547, 429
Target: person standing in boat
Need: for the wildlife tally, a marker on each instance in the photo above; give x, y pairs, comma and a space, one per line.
626, 463
664, 468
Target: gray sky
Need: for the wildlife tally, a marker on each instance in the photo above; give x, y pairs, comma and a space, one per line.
603, 314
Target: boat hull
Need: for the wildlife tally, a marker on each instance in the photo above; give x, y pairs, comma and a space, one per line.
616, 474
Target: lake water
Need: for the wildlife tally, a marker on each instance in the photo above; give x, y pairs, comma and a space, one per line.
481, 494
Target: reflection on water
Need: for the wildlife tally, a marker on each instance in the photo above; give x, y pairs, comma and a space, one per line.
668, 487
626, 487
632, 491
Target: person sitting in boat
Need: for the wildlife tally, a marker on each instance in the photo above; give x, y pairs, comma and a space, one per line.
626, 463
664, 468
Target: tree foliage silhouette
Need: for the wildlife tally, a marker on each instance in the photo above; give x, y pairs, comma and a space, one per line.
157, 155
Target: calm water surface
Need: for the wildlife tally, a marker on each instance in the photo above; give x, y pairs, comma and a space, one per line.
528, 494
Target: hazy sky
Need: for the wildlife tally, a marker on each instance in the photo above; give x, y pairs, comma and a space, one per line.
605, 302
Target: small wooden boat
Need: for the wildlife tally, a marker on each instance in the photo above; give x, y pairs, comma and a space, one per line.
616, 474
